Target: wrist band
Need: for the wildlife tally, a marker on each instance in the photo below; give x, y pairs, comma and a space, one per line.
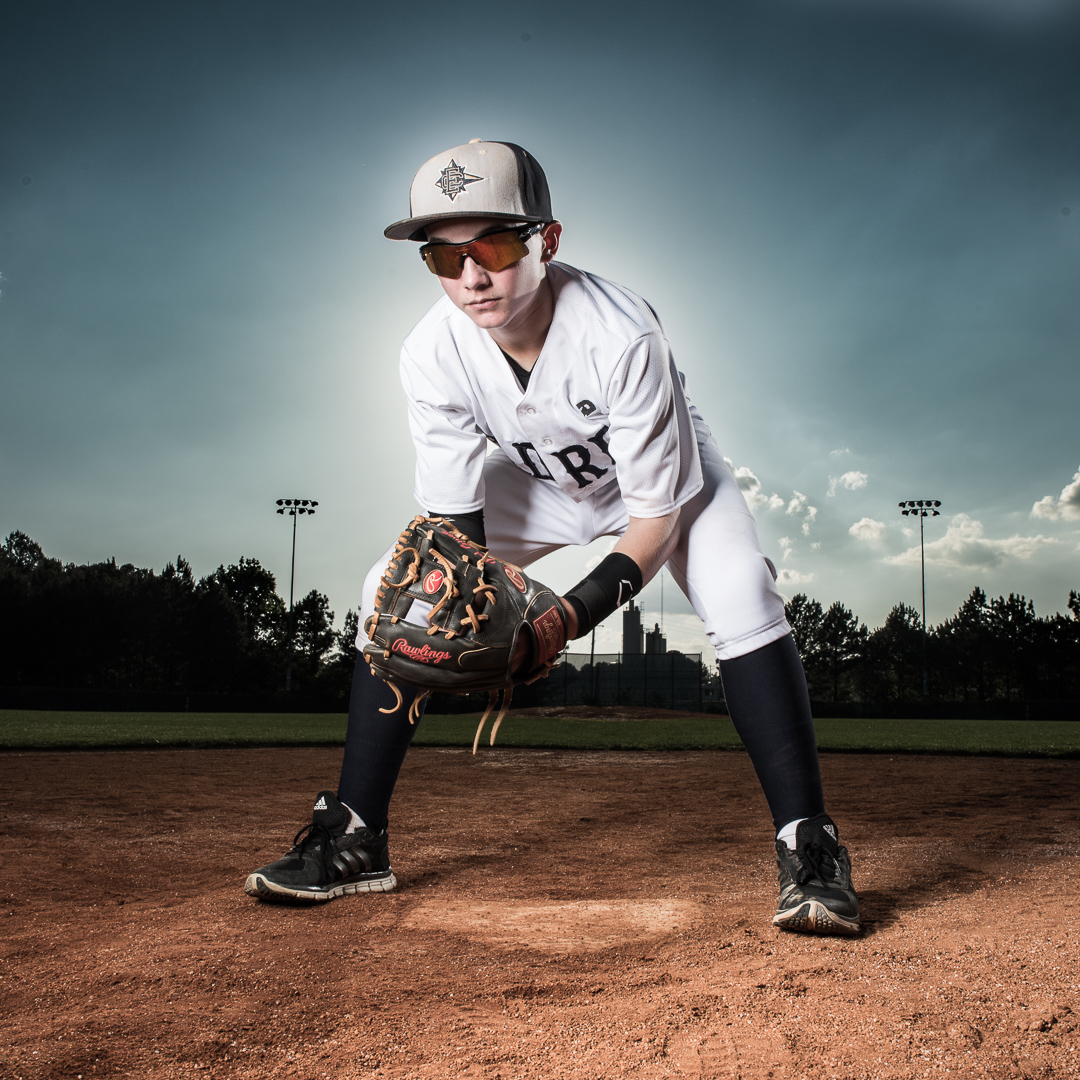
471, 524
608, 587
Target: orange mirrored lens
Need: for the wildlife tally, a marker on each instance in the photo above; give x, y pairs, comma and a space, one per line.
495, 252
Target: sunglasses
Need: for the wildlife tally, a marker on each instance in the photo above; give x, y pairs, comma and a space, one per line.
494, 252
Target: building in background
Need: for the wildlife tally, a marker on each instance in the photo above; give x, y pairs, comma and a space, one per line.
632, 635
655, 642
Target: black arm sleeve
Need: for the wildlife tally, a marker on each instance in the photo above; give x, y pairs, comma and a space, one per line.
609, 586
472, 524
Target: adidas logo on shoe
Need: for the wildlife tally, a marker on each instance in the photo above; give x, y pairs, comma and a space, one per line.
321, 804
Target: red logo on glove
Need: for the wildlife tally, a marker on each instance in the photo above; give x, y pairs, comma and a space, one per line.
550, 633
425, 655
514, 574
433, 581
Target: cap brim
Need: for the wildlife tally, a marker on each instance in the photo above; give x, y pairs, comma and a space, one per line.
413, 228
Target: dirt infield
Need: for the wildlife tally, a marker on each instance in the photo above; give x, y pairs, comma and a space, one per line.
560, 915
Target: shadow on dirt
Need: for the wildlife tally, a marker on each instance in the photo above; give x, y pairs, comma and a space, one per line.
883, 908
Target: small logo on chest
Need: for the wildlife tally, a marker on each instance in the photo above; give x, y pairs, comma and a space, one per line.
586, 406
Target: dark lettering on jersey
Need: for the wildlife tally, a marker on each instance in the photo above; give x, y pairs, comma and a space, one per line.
586, 406
600, 440
582, 466
525, 451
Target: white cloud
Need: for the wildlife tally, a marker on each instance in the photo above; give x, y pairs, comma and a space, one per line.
964, 545
768, 502
1067, 505
787, 545
788, 577
869, 530
800, 505
851, 480
839, 453
750, 486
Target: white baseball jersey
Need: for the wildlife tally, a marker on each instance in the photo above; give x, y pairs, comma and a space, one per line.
604, 402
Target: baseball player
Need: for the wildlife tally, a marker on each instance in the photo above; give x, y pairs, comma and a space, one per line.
546, 410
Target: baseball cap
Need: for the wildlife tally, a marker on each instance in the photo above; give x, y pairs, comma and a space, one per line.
477, 179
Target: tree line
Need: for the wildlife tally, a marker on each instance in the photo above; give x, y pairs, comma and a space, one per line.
121, 627
990, 650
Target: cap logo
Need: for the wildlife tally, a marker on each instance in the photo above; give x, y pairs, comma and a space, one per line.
453, 180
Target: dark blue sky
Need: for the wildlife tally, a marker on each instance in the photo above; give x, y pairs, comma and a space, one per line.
858, 222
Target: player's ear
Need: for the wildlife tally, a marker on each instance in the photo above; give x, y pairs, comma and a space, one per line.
550, 236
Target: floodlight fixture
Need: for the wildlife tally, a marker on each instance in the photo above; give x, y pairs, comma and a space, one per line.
922, 509
294, 508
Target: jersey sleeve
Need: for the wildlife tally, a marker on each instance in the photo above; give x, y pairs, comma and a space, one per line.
651, 432
450, 450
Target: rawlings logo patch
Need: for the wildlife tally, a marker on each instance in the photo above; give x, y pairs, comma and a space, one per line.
425, 655
433, 582
514, 574
549, 633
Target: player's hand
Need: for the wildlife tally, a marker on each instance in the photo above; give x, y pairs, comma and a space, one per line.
521, 650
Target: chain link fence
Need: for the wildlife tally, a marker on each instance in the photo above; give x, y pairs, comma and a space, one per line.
671, 680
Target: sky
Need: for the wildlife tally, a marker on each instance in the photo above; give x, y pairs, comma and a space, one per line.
859, 221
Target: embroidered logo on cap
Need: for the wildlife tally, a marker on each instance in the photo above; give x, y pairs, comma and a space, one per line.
453, 180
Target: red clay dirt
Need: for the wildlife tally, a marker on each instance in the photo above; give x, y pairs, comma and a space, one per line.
560, 915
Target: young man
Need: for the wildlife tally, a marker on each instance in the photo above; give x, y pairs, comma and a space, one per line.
572, 380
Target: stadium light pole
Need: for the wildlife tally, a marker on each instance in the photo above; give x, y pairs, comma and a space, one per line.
922, 509
294, 508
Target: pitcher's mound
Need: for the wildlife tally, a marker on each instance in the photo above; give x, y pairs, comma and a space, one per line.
559, 928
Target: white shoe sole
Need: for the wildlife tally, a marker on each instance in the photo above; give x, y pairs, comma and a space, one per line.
265, 889
813, 917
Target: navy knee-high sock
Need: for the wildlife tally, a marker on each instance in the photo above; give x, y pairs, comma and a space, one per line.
770, 708
375, 746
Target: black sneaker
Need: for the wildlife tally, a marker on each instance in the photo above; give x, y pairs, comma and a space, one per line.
326, 861
816, 896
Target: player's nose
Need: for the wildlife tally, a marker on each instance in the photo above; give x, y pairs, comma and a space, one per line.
473, 275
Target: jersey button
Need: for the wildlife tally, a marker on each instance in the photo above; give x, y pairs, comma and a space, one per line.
531, 411
547, 442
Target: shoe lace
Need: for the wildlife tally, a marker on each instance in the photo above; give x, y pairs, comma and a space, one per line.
310, 835
817, 863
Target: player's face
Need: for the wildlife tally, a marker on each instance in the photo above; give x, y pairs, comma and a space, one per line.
496, 299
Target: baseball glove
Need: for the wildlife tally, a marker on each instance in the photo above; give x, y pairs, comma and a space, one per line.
449, 616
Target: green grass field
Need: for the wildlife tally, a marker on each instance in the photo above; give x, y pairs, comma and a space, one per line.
22, 729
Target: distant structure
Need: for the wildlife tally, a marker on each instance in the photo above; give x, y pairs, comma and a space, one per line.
632, 635
655, 642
